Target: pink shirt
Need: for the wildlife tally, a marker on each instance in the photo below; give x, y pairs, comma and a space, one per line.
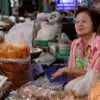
94, 58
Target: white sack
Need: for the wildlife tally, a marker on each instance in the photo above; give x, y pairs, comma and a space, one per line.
54, 17
42, 16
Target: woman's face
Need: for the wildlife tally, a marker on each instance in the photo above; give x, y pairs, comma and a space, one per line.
83, 24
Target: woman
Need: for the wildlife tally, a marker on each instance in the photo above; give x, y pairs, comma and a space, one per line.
85, 51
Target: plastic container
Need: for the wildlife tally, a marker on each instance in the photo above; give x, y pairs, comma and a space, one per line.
63, 48
50, 70
62, 55
43, 42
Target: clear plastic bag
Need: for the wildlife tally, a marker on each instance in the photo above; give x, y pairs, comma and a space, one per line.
63, 38
33, 90
82, 85
21, 31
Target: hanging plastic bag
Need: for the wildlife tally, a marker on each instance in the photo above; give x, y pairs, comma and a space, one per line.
47, 32
63, 38
82, 85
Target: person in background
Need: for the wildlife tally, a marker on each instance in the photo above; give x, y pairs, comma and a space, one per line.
85, 51
52, 5
26, 13
69, 13
46, 5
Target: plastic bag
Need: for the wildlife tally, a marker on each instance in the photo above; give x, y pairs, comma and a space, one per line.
54, 17
42, 92
47, 32
70, 96
82, 85
45, 58
32, 90
42, 16
63, 38
21, 31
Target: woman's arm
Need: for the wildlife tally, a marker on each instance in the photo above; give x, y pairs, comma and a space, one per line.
72, 72
75, 72
59, 72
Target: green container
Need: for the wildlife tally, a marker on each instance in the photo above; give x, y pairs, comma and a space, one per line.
43, 42
64, 49
62, 56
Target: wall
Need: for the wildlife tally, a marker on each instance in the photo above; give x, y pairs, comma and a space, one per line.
5, 6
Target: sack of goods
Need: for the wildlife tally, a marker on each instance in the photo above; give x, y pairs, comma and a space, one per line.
14, 62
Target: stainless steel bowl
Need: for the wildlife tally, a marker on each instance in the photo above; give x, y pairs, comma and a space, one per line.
35, 53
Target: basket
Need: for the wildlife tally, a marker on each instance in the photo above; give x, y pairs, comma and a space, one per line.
17, 71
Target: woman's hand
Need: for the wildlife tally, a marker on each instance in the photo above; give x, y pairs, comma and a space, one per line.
59, 72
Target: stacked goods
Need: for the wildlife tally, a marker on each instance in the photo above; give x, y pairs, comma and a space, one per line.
63, 50
14, 62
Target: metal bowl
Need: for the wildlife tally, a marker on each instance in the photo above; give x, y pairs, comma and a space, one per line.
35, 53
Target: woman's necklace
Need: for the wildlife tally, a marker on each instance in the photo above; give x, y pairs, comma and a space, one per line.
82, 63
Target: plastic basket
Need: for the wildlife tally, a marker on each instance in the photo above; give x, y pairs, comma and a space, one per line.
50, 70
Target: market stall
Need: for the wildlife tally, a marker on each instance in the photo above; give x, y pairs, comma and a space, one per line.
49, 52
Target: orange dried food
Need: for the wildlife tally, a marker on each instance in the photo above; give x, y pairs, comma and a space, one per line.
8, 50
22, 49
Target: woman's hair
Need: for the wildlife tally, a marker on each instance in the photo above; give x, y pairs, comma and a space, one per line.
98, 30
93, 14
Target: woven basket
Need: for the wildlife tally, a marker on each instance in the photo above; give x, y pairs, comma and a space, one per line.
17, 73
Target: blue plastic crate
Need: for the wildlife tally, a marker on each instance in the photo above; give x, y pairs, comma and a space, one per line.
50, 70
